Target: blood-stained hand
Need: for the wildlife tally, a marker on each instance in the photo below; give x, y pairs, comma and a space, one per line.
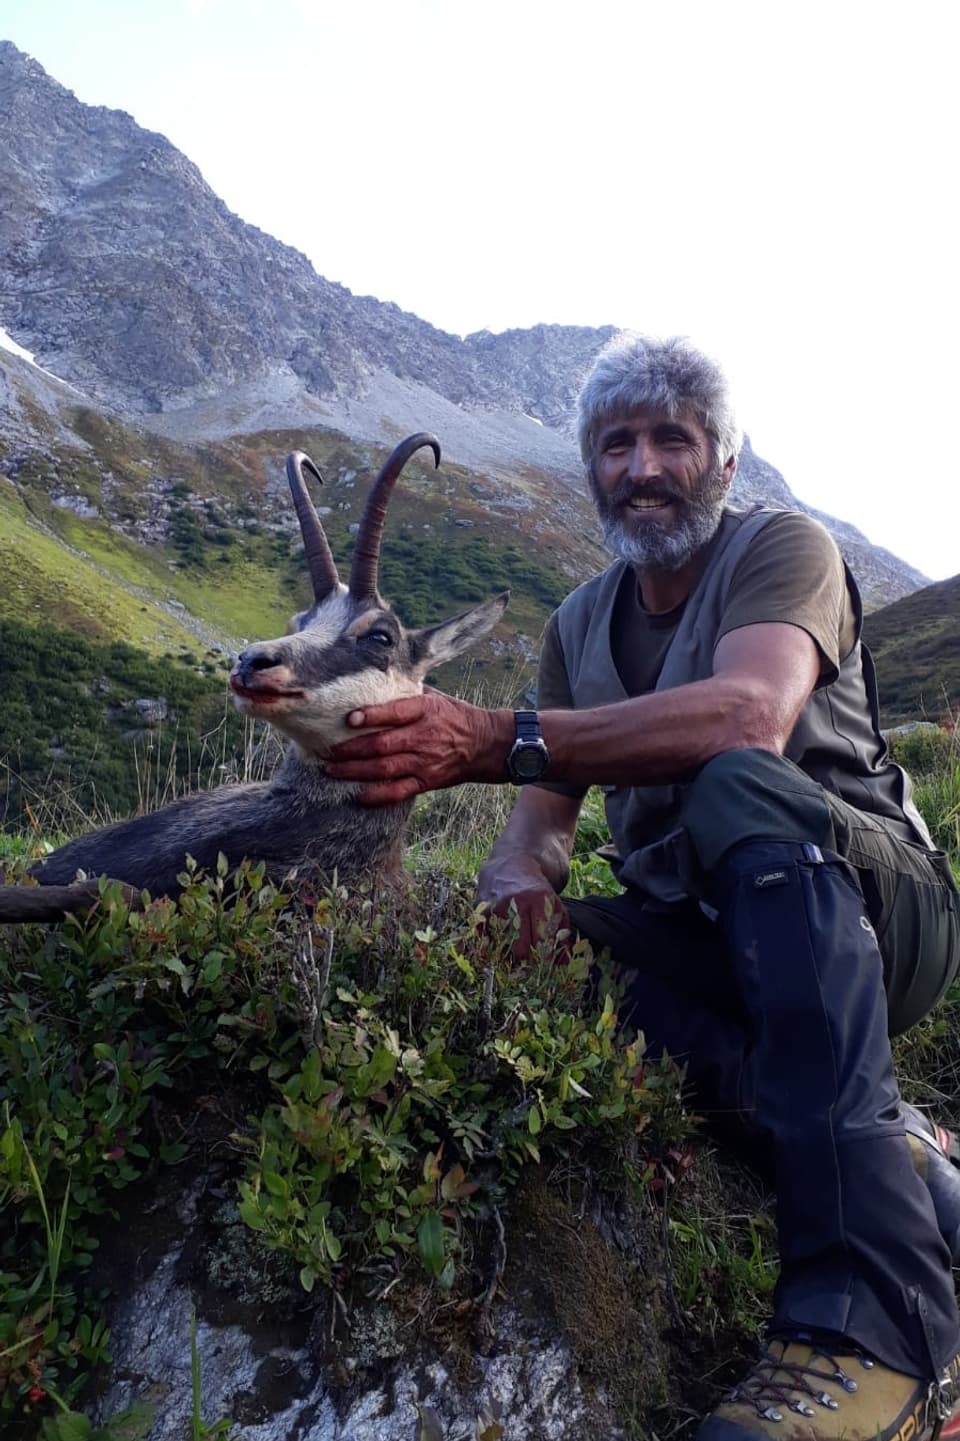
540, 914
422, 743
518, 882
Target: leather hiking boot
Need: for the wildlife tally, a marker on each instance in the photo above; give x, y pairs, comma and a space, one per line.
936, 1157
831, 1391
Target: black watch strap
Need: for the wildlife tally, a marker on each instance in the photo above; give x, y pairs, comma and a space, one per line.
527, 724
529, 757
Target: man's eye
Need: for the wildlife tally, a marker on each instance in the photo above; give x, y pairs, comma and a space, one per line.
381, 637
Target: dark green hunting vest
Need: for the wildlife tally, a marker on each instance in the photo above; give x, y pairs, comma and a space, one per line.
836, 740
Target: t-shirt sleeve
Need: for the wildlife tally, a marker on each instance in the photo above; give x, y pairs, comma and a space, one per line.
553, 683
792, 572
554, 693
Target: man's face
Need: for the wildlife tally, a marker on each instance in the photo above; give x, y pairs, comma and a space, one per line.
658, 489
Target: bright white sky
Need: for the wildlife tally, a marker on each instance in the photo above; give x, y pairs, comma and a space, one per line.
775, 178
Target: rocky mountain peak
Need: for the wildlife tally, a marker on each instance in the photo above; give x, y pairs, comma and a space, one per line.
125, 275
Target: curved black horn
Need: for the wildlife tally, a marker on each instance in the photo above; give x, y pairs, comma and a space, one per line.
366, 556
323, 567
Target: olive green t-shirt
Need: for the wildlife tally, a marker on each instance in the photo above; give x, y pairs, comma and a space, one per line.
791, 573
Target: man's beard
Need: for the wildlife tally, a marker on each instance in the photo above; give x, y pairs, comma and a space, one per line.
655, 545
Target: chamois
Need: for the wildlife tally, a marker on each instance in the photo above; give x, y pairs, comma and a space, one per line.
346, 651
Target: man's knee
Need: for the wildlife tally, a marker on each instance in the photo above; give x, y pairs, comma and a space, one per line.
748, 794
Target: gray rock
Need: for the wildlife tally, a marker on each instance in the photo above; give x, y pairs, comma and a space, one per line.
268, 1362
151, 710
76, 503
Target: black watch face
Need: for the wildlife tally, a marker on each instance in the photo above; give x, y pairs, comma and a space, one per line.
529, 762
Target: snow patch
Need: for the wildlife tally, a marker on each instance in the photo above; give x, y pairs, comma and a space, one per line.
7, 342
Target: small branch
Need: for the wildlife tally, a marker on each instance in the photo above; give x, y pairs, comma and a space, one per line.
672, 1301
337, 1303
313, 983
499, 1266
486, 1007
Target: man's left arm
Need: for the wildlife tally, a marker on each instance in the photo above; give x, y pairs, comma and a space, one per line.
763, 675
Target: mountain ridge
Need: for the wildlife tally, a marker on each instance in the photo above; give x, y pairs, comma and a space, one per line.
126, 276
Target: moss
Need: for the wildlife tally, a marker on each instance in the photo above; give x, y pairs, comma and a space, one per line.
609, 1306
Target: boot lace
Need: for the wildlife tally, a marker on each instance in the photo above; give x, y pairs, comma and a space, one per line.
776, 1384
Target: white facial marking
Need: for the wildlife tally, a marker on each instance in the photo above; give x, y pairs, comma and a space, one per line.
320, 723
330, 621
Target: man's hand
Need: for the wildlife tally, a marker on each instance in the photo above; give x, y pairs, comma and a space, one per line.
427, 742
530, 864
520, 882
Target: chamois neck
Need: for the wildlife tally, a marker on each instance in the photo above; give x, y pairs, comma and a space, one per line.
303, 773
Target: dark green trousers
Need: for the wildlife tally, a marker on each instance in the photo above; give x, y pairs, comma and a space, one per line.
908, 891
771, 986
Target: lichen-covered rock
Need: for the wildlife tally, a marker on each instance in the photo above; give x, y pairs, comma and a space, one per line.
282, 1365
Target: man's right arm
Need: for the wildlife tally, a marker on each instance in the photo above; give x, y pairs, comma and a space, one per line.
530, 861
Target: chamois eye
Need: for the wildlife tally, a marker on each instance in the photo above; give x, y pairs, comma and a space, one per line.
382, 637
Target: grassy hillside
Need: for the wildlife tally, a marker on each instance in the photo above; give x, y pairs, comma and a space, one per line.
143, 564
916, 645
74, 742
46, 580
130, 537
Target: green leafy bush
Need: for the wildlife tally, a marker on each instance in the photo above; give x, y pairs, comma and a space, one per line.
924, 749
98, 1018
390, 1132
399, 1072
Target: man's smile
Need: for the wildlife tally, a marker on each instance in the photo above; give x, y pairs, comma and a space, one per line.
649, 502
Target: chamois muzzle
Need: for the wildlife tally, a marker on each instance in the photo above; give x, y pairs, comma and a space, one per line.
255, 659
262, 673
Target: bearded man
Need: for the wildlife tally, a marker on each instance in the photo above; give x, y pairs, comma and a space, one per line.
784, 911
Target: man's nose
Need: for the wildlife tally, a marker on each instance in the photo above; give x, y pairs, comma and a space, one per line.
644, 460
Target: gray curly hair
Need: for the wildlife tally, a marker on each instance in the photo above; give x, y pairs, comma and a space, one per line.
634, 371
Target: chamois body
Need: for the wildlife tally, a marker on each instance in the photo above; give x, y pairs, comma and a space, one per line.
348, 650
301, 820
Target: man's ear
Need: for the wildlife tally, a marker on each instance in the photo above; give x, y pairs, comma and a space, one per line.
729, 471
436, 643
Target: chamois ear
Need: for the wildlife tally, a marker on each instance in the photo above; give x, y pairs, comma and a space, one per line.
436, 643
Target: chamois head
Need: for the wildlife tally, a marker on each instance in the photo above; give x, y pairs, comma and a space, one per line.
348, 649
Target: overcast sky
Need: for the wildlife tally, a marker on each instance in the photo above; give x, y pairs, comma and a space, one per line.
775, 179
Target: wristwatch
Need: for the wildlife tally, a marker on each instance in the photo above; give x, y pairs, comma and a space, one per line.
529, 757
